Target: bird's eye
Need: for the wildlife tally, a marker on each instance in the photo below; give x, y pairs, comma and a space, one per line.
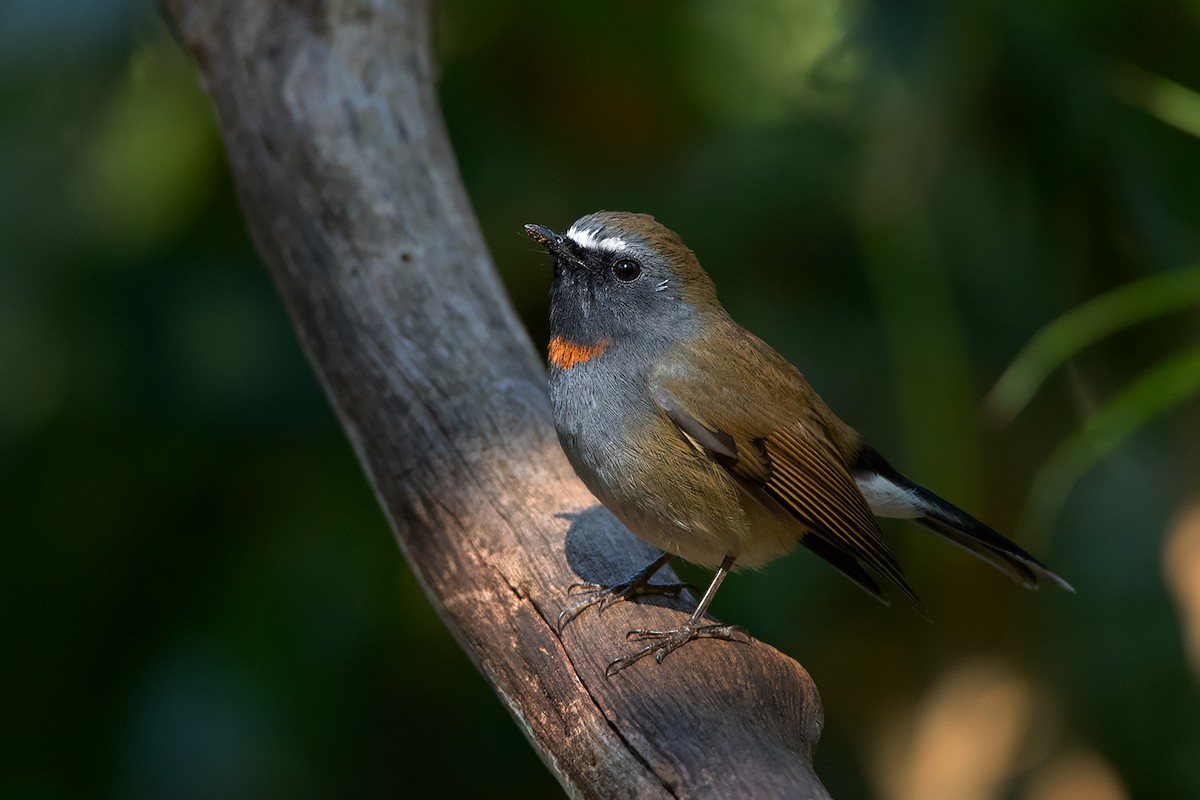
626, 270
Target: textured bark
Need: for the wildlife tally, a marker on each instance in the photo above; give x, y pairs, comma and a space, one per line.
351, 192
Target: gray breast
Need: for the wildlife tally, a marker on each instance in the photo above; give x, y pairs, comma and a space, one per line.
594, 404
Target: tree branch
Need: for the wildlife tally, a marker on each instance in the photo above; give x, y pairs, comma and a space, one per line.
351, 192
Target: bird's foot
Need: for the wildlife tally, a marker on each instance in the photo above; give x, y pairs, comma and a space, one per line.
661, 643
595, 594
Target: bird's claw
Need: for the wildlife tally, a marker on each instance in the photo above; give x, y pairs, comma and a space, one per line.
605, 596
663, 643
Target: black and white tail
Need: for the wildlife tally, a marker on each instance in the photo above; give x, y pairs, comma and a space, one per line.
890, 494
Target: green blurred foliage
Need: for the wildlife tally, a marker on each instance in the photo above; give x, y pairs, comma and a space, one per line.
200, 598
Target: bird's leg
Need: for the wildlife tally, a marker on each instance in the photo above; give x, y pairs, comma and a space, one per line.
637, 585
660, 643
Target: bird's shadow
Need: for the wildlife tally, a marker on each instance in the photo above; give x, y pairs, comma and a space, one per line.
602, 551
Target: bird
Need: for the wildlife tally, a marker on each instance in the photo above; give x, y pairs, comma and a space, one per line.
707, 443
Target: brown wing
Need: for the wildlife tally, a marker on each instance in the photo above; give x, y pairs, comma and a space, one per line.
787, 463
820, 493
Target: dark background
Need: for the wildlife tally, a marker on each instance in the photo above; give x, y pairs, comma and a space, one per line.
200, 598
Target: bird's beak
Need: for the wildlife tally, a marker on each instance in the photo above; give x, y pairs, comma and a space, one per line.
556, 245
545, 237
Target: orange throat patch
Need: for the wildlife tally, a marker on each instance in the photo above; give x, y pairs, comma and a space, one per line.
565, 354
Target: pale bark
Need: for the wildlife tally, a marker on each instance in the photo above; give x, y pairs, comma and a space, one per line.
351, 192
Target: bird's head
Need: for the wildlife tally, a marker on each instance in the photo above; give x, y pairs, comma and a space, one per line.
619, 275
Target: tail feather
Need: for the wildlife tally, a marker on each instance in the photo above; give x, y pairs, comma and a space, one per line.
980, 540
849, 566
951, 522
1019, 571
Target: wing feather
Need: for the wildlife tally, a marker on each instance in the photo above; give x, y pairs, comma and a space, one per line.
821, 493
789, 470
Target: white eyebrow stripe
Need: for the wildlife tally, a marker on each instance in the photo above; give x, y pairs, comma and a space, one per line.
588, 240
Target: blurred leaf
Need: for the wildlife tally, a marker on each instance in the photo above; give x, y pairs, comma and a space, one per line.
1167, 101
152, 156
1169, 384
758, 62
1082, 326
